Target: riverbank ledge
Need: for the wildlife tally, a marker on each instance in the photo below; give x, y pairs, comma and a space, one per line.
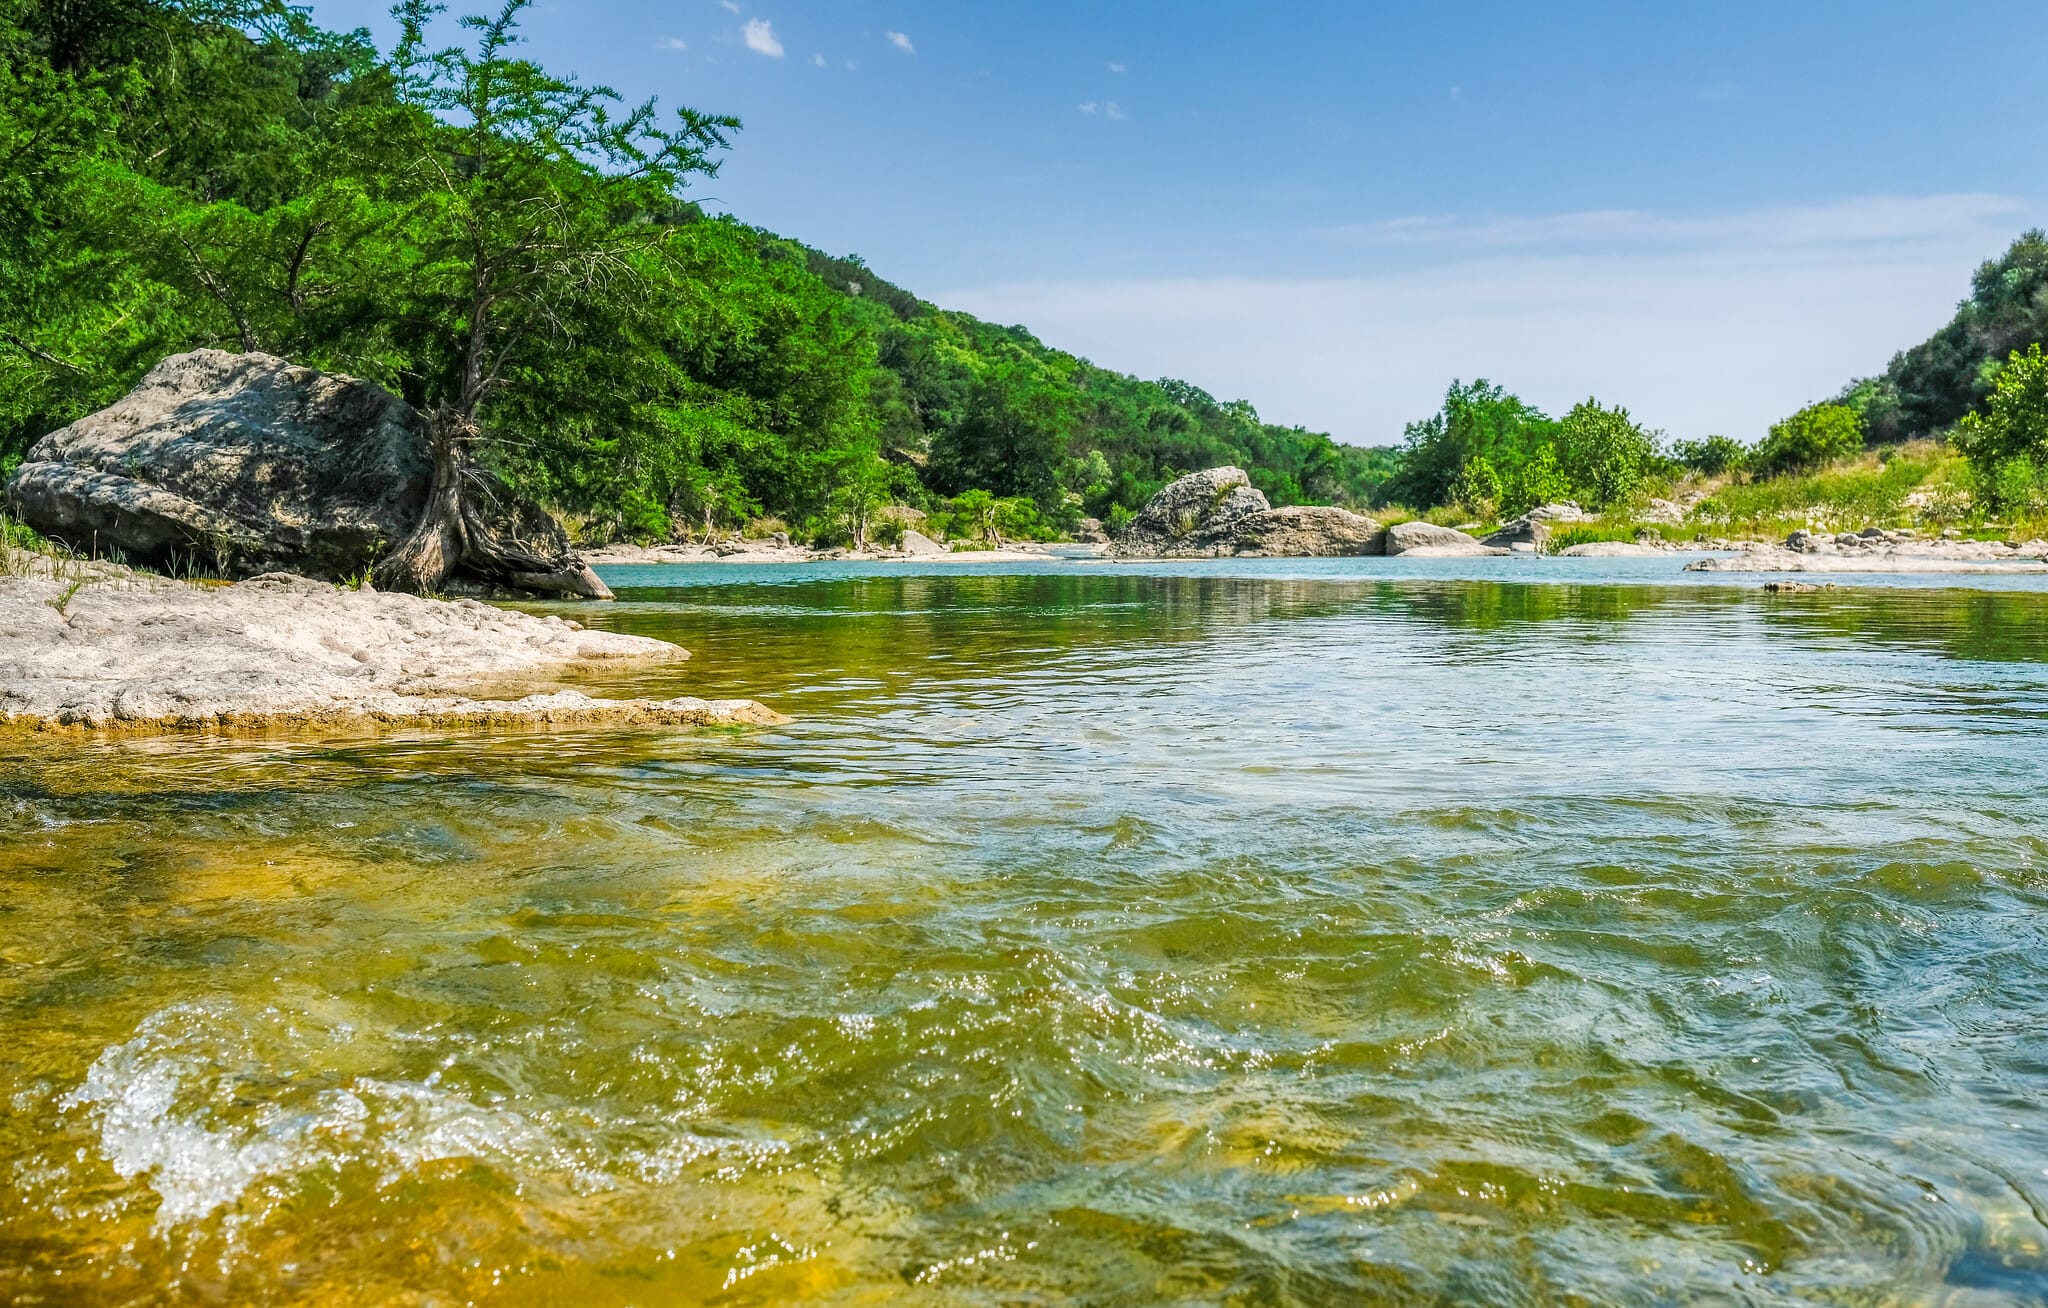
1875, 550
104, 648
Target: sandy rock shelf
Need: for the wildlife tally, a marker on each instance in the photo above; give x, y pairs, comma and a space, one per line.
130, 652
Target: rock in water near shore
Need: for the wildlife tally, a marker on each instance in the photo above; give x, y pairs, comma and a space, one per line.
244, 463
1219, 512
1424, 540
1530, 533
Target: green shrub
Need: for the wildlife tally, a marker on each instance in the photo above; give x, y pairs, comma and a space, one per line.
1603, 454
1815, 436
1478, 487
2007, 443
1712, 457
1539, 481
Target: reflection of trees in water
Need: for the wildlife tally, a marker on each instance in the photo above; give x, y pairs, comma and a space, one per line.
1980, 625
946, 627
954, 626
1493, 605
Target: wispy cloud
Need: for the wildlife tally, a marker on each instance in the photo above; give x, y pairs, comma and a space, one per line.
1114, 110
729, 6
1118, 68
818, 60
1870, 218
1699, 323
1088, 107
901, 42
759, 34
671, 43
1718, 93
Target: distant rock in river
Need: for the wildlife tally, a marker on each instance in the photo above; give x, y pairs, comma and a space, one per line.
1219, 513
1427, 540
247, 464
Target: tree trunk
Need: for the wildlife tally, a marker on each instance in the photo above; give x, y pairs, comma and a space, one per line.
424, 559
455, 533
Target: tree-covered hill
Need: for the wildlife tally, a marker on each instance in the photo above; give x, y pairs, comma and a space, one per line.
1927, 389
517, 255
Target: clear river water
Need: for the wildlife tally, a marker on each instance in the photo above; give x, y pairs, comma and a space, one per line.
1254, 933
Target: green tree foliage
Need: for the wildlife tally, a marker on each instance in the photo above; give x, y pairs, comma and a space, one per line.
1713, 456
2007, 444
1818, 434
1928, 388
1492, 452
1603, 455
513, 252
1479, 423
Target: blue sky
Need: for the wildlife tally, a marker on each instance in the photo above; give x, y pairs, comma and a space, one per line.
1710, 213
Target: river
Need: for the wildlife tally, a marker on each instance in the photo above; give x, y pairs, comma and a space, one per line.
1495, 931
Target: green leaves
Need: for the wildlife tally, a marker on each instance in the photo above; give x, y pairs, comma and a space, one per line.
2007, 444
1816, 435
485, 236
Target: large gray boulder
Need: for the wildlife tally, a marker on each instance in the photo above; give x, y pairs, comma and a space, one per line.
244, 464
1427, 540
1306, 531
1219, 513
1528, 533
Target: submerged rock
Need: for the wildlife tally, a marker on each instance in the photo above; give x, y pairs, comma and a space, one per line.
244, 463
1427, 540
1219, 512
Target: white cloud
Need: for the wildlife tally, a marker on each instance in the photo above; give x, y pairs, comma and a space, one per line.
1699, 324
818, 60
759, 35
901, 42
729, 6
1869, 218
1114, 110
1117, 68
1088, 108
671, 43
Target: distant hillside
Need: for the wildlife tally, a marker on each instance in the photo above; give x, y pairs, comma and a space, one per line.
1929, 387
1148, 432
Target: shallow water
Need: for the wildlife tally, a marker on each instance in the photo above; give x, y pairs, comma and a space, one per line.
1219, 933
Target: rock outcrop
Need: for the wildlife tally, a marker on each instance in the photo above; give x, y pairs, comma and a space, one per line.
244, 463
114, 649
918, 545
1423, 540
1876, 550
1525, 533
1219, 513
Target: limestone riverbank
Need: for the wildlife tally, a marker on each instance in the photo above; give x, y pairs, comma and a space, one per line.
95, 647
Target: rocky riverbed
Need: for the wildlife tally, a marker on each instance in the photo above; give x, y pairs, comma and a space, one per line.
106, 648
